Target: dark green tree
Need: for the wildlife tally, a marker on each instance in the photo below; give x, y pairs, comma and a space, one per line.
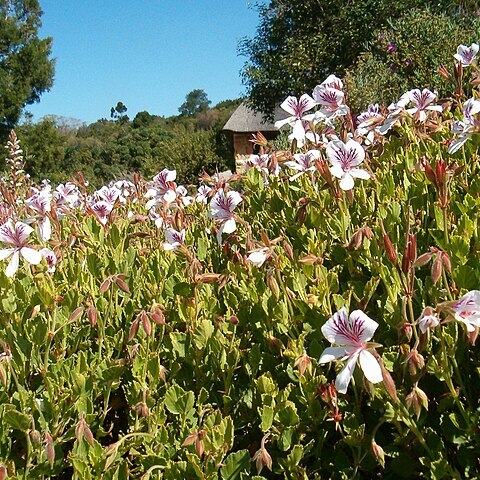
196, 101
26, 69
119, 112
300, 42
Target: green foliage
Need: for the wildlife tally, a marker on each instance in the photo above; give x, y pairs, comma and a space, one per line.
299, 42
26, 71
424, 41
108, 150
196, 101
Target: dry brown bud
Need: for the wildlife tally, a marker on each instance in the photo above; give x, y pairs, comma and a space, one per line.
288, 250
92, 315
133, 329
273, 286
76, 314
49, 449
437, 267
389, 250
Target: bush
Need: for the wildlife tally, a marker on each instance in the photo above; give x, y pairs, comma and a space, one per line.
407, 54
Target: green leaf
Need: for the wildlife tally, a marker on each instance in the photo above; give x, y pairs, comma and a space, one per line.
179, 402
202, 334
17, 420
288, 416
179, 341
236, 464
266, 414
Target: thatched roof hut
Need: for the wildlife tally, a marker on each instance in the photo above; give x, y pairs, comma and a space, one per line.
244, 122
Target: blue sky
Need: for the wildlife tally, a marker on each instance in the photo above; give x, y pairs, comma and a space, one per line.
147, 53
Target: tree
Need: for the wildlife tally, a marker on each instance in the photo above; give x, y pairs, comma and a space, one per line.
196, 101
119, 112
300, 42
26, 71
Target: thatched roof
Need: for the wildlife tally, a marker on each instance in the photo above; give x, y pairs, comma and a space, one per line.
245, 120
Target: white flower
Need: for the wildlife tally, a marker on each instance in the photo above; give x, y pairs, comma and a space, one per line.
50, 258
16, 236
467, 310
466, 55
464, 128
344, 158
422, 101
258, 257
352, 335
304, 162
427, 320
298, 120
221, 209
202, 193
174, 238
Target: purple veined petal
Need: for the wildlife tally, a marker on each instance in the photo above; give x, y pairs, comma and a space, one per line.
173, 236
31, 256
466, 55
359, 173
332, 353
347, 182
457, 144
337, 329
22, 232
470, 108
233, 199
50, 257
4, 254
470, 302
328, 97
290, 105
370, 367
305, 103
364, 325
332, 81
13, 264
343, 378
7, 233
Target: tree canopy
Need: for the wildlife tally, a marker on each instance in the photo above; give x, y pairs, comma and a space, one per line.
26, 69
300, 42
195, 101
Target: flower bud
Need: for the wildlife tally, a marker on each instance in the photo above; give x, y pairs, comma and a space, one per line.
273, 286
233, 320
133, 329
3, 471
356, 240
379, 453
288, 250
75, 314
303, 362
437, 267
49, 449
105, 285
146, 324
92, 315
389, 250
